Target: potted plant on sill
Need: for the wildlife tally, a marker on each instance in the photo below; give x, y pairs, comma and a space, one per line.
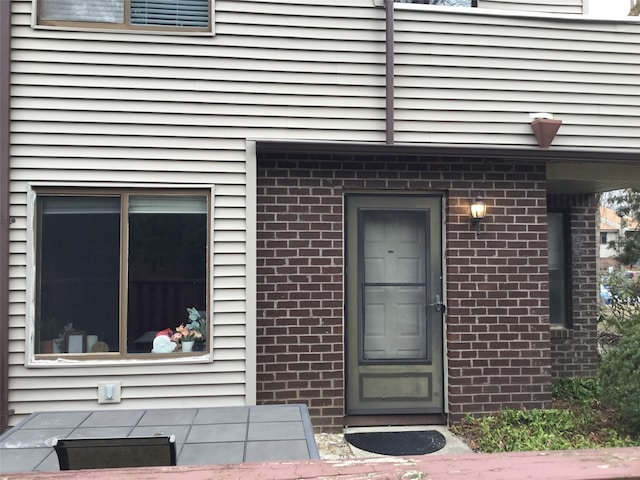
192, 331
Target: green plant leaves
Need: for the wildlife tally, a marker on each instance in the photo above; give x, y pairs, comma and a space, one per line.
579, 421
620, 379
580, 389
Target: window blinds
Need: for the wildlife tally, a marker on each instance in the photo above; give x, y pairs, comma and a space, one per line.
173, 13
108, 11
168, 13
79, 205
137, 204
167, 204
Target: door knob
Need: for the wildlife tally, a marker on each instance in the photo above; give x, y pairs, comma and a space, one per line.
440, 307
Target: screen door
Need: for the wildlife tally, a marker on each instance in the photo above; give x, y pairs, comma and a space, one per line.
394, 305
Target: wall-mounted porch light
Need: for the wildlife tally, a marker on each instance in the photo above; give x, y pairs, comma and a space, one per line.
478, 211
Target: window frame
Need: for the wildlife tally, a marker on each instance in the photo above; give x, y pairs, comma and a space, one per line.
34, 359
124, 27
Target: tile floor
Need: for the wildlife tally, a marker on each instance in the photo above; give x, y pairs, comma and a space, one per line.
204, 436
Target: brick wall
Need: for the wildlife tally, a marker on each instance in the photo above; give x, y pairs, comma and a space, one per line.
574, 348
497, 289
498, 328
300, 326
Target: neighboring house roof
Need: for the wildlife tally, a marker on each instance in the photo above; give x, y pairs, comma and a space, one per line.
610, 221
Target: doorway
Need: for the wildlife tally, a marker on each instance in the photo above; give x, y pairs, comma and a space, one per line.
394, 305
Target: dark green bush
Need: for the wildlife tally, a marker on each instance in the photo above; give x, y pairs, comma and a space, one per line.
529, 430
620, 380
580, 389
621, 316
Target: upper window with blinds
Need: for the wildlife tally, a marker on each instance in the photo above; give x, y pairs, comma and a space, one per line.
172, 15
444, 3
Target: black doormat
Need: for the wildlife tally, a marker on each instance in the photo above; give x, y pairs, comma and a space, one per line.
417, 442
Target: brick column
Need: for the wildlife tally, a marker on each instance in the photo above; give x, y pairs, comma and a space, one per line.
574, 347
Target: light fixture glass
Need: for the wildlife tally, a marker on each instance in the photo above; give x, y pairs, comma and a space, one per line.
478, 209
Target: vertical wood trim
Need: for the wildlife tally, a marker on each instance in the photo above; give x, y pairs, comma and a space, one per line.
5, 137
251, 310
123, 321
390, 60
209, 305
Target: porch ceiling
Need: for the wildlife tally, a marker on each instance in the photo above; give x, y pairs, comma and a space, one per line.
581, 177
568, 171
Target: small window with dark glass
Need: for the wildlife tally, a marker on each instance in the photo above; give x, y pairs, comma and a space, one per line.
559, 269
603, 238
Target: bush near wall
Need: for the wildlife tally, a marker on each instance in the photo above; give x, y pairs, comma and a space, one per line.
619, 311
620, 379
578, 420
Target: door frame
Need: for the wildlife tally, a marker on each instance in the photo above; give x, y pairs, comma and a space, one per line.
440, 249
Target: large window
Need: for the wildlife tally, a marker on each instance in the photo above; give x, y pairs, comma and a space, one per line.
113, 270
193, 15
559, 268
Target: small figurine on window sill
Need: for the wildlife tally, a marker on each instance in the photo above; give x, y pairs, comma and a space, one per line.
164, 342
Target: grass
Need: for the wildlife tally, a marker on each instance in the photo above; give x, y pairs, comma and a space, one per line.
577, 420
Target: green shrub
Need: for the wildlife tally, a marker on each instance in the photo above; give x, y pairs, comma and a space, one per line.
620, 379
517, 430
582, 389
622, 314
538, 430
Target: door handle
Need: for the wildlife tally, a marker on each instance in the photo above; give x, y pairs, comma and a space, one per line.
440, 307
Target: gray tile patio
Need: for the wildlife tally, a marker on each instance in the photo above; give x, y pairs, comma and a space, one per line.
204, 436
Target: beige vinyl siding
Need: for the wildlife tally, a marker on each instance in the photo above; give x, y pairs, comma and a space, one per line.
112, 108
474, 79
66, 129
546, 6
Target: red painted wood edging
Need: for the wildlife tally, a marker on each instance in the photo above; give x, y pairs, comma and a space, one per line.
559, 465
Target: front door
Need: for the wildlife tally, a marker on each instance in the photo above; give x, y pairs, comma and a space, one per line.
394, 310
